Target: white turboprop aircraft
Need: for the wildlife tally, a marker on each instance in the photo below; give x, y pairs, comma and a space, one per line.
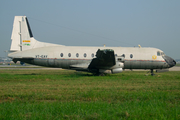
96, 60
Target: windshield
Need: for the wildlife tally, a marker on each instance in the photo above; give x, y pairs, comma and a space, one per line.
160, 53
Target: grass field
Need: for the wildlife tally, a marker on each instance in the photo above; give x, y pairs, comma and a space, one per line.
63, 94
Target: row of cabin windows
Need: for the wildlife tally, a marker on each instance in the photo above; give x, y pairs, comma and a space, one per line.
123, 55
77, 55
92, 55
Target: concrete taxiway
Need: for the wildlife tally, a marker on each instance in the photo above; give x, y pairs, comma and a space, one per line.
175, 68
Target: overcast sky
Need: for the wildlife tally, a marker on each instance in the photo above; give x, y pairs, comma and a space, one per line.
126, 23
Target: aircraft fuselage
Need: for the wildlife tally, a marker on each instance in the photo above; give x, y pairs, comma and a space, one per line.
65, 56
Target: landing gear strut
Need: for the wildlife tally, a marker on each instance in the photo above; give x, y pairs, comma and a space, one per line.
152, 73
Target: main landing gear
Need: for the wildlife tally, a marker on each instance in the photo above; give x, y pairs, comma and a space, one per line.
99, 74
152, 72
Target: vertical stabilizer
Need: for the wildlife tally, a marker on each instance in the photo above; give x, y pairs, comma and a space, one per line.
22, 37
21, 34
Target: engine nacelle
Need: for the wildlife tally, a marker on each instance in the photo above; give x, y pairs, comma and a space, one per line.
116, 70
119, 65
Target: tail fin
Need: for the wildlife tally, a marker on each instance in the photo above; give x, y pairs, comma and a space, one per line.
22, 37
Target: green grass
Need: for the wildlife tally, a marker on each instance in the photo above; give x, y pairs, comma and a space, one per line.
63, 94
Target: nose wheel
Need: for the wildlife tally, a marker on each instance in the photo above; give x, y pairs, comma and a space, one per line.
152, 72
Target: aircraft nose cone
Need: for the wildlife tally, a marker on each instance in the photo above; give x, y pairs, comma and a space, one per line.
171, 62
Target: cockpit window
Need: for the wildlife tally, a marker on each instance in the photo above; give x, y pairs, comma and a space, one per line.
162, 53
158, 53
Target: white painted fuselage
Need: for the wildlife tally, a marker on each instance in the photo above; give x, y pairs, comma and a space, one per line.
135, 58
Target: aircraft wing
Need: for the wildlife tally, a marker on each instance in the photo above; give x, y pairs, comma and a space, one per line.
24, 59
104, 59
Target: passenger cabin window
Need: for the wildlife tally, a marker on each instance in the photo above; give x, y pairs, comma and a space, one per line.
158, 53
92, 55
77, 54
123, 55
131, 56
85, 54
61, 54
69, 54
115, 54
